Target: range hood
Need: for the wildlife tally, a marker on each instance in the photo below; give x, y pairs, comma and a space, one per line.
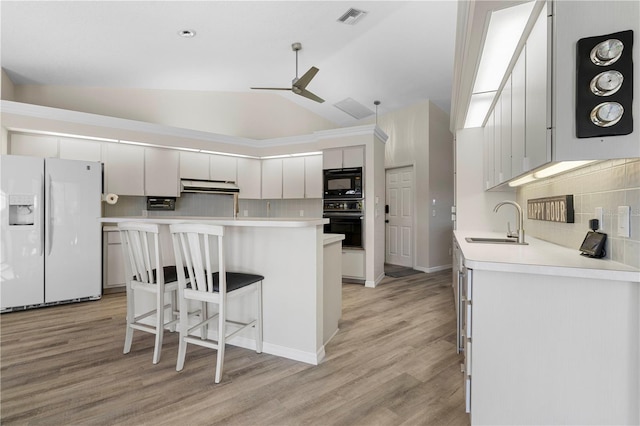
208, 186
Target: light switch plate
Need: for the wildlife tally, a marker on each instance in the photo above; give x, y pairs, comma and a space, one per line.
624, 213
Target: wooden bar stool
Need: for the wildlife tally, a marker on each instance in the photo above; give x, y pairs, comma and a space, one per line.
145, 272
207, 281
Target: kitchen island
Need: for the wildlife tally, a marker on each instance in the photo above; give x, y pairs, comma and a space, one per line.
549, 336
289, 253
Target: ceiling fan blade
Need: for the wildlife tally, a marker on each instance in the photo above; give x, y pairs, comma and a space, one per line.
306, 78
270, 88
309, 95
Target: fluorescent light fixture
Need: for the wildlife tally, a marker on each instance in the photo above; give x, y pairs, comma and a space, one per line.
557, 168
301, 154
179, 148
227, 154
271, 157
503, 34
521, 181
65, 135
505, 29
550, 170
138, 143
478, 109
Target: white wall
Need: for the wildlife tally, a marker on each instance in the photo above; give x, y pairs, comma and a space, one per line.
419, 136
259, 115
441, 183
474, 205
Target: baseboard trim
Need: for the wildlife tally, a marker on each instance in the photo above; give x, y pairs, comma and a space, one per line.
434, 269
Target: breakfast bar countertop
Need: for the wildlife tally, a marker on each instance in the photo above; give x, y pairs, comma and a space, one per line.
275, 222
539, 257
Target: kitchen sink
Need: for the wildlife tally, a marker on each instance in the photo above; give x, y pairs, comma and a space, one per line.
486, 240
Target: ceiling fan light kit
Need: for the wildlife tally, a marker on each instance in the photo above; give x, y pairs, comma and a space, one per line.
299, 85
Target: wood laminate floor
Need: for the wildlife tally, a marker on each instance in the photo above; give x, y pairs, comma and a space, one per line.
393, 362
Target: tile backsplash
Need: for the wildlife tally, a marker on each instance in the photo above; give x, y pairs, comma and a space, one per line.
607, 184
215, 205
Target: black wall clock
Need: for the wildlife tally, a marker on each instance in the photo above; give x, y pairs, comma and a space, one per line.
604, 85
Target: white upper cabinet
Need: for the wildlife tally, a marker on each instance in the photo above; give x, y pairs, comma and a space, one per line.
34, 145
293, 173
161, 176
223, 167
338, 158
488, 153
194, 165
497, 142
353, 156
505, 133
249, 180
80, 149
272, 178
124, 169
518, 117
313, 176
538, 147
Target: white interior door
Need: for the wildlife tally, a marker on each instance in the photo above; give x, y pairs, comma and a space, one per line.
399, 241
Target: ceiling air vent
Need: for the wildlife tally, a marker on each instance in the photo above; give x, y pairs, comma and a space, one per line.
352, 16
353, 108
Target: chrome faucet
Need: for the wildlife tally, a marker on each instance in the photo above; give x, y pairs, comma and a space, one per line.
519, 219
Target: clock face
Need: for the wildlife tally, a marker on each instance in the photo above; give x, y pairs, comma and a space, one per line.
606, 114
606, 83
607, 52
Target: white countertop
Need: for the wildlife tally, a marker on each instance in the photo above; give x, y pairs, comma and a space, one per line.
332, 238
539, 257
274, 222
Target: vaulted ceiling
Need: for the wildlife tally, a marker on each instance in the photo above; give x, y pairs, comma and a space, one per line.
399, 53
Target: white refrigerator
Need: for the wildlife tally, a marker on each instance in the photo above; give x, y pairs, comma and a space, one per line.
50, 241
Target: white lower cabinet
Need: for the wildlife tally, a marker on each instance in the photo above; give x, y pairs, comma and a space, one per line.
113, 262
353, 263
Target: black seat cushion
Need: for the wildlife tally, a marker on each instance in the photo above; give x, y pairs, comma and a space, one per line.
235, 280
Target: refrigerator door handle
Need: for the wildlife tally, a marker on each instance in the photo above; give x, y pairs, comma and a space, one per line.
41, 199
48, 222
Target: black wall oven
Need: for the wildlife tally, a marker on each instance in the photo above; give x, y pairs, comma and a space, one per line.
345, 217
343, 183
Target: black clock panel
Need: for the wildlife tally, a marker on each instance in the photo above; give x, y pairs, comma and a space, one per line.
604, 85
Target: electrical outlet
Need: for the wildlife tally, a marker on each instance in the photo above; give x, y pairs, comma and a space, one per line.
599, 217
245, 213
624, 213
301, 213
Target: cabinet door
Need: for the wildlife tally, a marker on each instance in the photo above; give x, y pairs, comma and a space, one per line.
353, 263
161, 176
272, 178
34, 145
537, 150
293, 177
488, 144
249, 179
353, 156
505, 132
223, 167
124, 169
497, 142
114, 261
518, 116
194, 165
332, 158
313, 176
80, 149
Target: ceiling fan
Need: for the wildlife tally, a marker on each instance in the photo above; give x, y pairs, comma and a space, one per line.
298, 85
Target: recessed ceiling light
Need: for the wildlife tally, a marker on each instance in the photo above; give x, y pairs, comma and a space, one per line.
187, 33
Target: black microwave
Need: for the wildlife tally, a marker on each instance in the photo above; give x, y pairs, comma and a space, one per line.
343, 183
